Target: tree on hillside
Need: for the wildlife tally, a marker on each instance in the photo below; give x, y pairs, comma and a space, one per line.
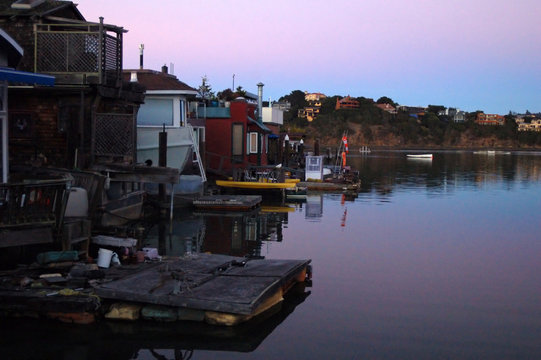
385, 100
328, 104
435, 109
509, 130
296, 99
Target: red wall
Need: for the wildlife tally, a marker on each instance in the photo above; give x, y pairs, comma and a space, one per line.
219, 135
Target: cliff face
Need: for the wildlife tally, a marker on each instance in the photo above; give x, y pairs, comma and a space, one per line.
383, 137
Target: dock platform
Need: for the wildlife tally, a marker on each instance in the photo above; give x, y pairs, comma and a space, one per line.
216, 289
228, 202
328, 186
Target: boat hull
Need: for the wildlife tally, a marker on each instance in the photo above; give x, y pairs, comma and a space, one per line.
419, 156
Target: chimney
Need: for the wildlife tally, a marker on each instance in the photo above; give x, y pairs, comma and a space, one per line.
164, 69
141, 48
260, 102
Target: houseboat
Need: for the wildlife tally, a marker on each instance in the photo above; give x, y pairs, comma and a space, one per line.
165, 111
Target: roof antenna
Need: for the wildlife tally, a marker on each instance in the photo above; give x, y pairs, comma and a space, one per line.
141, 48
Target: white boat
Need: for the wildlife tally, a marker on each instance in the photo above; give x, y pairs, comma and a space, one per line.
419, 156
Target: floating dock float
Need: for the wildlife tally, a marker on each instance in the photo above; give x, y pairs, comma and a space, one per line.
228, 202
216, 289
328, 186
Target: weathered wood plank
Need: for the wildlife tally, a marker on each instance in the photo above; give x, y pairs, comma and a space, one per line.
21, 237
206, 282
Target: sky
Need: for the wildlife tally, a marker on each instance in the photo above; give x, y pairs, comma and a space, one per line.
469, 54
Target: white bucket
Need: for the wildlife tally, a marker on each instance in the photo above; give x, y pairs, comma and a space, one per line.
104, 257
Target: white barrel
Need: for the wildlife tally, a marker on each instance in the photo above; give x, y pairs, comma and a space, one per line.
104, 257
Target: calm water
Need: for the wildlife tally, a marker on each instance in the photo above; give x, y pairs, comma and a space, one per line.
432, 260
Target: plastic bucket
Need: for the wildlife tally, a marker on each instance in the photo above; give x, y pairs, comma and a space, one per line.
104, 257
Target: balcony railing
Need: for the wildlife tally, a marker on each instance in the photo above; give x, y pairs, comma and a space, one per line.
213, 112
85, 53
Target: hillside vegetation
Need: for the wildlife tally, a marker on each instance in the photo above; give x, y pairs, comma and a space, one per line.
371, 126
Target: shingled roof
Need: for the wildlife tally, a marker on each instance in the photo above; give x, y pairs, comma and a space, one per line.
48, 7
156, 80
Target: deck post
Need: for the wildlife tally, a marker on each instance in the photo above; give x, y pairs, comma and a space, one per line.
162, 161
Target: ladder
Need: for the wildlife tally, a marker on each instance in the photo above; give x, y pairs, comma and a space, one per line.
195, 149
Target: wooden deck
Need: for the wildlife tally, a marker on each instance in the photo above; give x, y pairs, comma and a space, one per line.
228, 202
217, 289
206, 282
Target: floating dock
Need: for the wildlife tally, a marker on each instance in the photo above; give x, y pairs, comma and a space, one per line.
228, 202
216, 289
329, 186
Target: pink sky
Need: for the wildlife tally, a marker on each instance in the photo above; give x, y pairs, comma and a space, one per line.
470, 54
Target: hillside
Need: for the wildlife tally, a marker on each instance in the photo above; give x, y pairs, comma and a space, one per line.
382, 137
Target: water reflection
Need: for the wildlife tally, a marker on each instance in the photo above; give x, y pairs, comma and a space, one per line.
228, 233
386, 172
139, 340
429, 260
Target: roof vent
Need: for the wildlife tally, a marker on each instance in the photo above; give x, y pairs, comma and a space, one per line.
26, 4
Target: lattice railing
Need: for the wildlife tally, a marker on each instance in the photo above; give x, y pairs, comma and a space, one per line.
114, 135
85, 50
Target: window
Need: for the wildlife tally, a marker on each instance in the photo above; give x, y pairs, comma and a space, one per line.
253, 138
237, 131
182, 113
314, 164
156, 112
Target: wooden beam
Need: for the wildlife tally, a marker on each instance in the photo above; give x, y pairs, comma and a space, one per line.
21, 237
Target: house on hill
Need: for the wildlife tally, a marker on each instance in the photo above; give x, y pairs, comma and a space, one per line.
489, 119
387, 108
347, 103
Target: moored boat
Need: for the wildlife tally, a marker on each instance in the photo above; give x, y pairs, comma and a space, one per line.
255, 185
419, 156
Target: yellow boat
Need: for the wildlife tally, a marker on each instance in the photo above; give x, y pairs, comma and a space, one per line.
255, 185
277, 209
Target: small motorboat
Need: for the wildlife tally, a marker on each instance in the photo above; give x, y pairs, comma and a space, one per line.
419, 156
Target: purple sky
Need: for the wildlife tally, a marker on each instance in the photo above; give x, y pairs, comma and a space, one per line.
470, 54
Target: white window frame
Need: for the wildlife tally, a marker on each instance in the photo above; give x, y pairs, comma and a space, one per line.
252, 142
178, 111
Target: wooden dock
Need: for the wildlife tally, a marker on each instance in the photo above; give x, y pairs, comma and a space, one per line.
216, 289
329, 186
228, 202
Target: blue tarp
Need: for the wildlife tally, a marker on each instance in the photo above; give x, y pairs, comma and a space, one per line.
25, 77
